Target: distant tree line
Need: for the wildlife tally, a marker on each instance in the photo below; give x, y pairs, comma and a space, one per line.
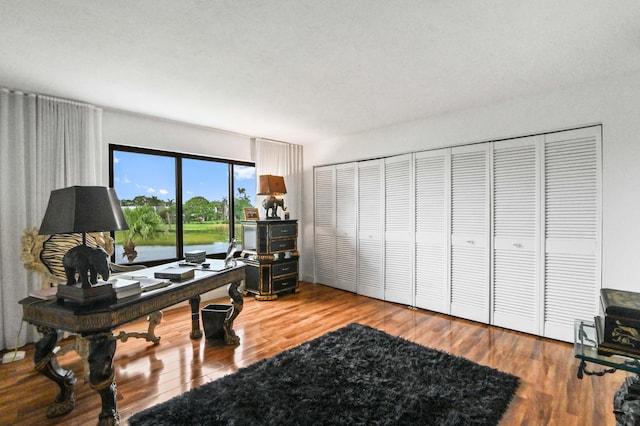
196, 209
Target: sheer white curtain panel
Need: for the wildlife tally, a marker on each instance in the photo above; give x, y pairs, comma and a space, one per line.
280, 159
46, 144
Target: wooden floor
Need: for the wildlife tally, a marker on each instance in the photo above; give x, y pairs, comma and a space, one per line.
550, 393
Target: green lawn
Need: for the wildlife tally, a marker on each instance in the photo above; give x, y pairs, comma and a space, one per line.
194, 233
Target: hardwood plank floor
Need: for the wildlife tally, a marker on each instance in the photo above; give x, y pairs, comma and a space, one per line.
550, 393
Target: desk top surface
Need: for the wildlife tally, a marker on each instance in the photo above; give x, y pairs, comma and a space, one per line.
104, 316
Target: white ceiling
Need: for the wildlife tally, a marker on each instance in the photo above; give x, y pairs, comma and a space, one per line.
304, 71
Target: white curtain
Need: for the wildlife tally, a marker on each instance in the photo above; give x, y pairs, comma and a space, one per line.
45, 144
280, 159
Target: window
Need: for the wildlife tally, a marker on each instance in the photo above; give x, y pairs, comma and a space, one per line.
175, 203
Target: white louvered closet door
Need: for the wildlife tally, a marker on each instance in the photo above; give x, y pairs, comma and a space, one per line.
371, 228
432, 229
516, 264
399, 232
573, 164
325, 224
346, 226
470, 214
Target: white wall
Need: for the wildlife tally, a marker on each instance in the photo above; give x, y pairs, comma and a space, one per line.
123, 128
614, 103
130, 129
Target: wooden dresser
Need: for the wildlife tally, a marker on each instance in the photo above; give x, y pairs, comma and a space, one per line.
270, 251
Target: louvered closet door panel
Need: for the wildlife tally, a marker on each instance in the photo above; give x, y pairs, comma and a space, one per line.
573, 167
470, 232
399, 233
516, 230
325, 222
345, 265
370, 228
325, 247
432, 229
346, 226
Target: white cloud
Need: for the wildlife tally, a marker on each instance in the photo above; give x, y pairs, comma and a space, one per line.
163, 191
151, 191
116, 159
244, 172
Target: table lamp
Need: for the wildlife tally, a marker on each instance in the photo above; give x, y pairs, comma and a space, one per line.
274, 187
82, 209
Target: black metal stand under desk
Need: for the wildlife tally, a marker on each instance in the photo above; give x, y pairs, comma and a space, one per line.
626, 401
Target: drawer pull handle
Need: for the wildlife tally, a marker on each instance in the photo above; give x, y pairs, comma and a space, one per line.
285, 268
518, 245
470, 242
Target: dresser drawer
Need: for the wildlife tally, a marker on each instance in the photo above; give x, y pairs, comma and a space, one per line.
280, 230
285, 268
288, 244
285, 284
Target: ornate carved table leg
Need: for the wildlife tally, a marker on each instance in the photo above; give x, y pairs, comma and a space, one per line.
47, 364
196, 333
102, 348
237, 301
154, 319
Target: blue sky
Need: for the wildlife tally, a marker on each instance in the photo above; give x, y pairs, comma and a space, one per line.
142, 174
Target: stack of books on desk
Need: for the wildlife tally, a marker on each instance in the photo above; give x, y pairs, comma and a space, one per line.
148, 283
125, 287
176, 273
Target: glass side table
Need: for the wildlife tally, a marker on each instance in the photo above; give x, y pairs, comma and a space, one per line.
626, 401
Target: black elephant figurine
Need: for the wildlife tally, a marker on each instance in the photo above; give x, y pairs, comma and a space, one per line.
88, 262
272, 204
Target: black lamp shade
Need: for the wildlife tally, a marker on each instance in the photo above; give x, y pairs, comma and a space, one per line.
83, 209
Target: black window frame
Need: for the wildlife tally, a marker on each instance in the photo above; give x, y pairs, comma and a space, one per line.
178, 157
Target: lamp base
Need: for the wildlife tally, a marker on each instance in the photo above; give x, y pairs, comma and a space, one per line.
271, 205
86, 296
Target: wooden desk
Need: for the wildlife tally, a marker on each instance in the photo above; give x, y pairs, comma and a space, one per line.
96, 323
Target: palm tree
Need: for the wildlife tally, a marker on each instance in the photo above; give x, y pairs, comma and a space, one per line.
167, 210
155, 201
242, 193
143, 222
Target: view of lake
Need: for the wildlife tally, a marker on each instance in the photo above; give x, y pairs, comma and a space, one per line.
151, 253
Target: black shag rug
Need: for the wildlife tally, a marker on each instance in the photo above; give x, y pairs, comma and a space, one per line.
356, 375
